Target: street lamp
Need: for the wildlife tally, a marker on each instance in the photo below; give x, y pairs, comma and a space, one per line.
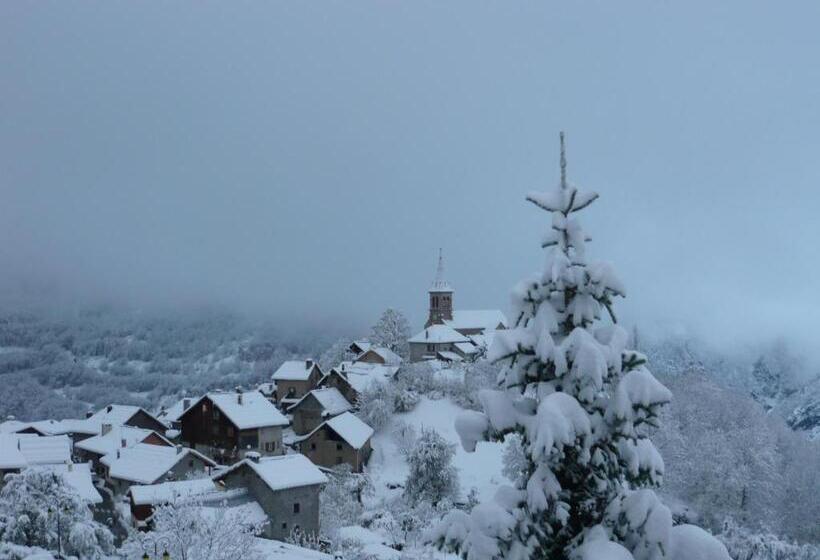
159, 543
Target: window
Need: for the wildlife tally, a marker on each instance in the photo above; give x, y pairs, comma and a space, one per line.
291, 391
230, 431
284, 526
313, 447
338, 447
214, 429
191, 463
216, 414
296, 507
431, 347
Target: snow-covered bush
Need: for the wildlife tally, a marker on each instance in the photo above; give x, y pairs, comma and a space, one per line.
514, 460
432, 476
584, 406
192, 532
392, 331
341, 500
39, 509
405, 437
746, 545
405, 400
375, 404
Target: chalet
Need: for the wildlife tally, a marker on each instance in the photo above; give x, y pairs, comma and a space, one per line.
20, 451
286, 487
225, 426
341, 439
294, 379
379, 355
453, 335
112, 438
144, 463
77, 430
316, 407
352, 378
124, 415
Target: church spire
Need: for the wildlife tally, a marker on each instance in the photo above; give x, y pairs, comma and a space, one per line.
440, 284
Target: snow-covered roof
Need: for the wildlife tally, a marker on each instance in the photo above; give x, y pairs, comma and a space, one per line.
351, 429
439, 334
448, 356
255, 410
176, 410
390, 358
361, 345
78, 476
103, 444
114, 414
485, 319
278, 550
248, 512
10, 455
330, 399
295, 370
145, 463
362, 375
47, 427
283, 471
167, 492
466, 347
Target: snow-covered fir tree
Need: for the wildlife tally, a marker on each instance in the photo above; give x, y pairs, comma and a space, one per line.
583, 405
392, 331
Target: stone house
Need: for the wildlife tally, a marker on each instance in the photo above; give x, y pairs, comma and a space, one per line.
316, 407
225, 426
111, 438
439, 340
144, 463
294, 379
341, 439
379, 355
286, 487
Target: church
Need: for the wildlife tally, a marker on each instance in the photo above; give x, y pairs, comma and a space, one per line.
449, 335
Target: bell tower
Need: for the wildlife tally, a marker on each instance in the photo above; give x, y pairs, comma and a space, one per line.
441, 297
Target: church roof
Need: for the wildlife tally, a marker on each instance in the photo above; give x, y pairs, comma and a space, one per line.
485, 319
439, 334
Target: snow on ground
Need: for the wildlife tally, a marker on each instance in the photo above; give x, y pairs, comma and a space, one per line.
388, 467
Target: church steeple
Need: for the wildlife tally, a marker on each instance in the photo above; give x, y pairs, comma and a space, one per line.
441, 297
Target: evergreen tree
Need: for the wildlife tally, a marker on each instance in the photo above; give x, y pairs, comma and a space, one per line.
766, 383
392, 331
583, 406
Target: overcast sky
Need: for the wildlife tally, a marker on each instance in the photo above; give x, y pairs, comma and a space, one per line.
307, 159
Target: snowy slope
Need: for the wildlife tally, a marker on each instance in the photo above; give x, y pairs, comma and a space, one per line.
481, 469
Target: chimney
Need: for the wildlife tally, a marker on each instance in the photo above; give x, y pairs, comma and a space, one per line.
253, 456
118, 453
89, 413
239, 397
122, 442
179, 449
308, 364
186, 404
109, 408
105, 429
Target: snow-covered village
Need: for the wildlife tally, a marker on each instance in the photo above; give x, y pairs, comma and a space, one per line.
409, 281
